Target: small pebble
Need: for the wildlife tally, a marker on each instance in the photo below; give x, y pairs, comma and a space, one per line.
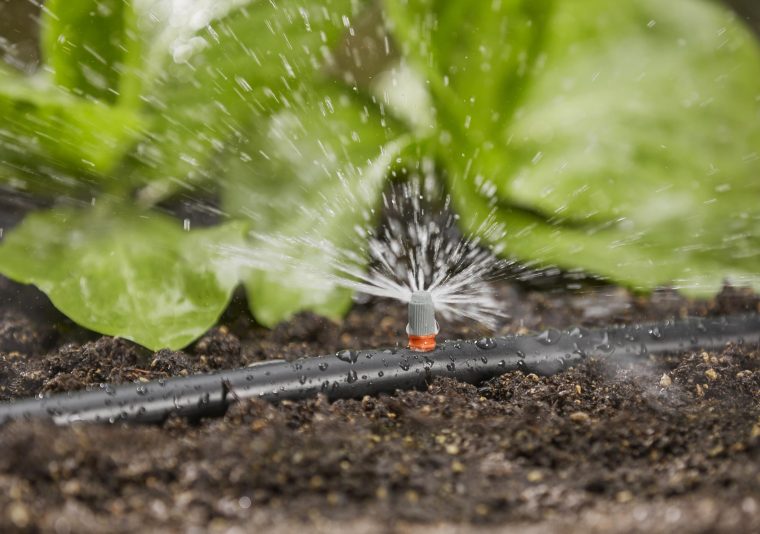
711, 374
19, 514
665, 380
535, 476
452, 449
579, 417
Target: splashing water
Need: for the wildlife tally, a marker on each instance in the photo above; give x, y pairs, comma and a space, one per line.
418, 247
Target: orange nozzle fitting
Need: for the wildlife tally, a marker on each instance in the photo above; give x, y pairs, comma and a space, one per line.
422, 343
422, 327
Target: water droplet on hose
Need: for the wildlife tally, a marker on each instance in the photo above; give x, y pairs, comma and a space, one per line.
302, 379
451, 367
323, 366
576, 333
549, 337
655, 333
485, 343
348, 356
351, 376
605, 346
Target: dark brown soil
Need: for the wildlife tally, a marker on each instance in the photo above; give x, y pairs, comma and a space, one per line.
662, 444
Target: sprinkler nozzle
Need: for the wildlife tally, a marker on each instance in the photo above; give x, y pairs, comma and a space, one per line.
422, 327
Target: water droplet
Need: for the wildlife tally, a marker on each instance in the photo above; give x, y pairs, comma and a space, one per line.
485, 343
380, 374
351, 376
323, 366
579, 351
606, 348
655, 332
502, 363
348, 356
451, 367
484, 359
141, 390
549, 337
605, 345
302, 379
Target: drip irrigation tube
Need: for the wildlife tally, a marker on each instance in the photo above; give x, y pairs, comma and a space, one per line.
351, 374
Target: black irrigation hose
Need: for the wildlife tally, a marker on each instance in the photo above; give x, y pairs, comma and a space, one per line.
351, 374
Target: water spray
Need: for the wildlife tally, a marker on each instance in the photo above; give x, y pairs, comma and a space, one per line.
353, 374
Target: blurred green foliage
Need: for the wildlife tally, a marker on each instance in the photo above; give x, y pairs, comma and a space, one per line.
620, 138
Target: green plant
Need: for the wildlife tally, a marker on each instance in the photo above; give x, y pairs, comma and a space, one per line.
620, 138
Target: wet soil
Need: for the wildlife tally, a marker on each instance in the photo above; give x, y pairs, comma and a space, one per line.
661, 444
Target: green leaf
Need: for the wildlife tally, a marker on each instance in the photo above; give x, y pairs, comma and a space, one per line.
625, 145
47, 129
306, 178
476, 57
131, 274
93, 48
245, 66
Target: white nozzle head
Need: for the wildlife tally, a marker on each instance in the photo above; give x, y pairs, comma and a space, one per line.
421, 315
